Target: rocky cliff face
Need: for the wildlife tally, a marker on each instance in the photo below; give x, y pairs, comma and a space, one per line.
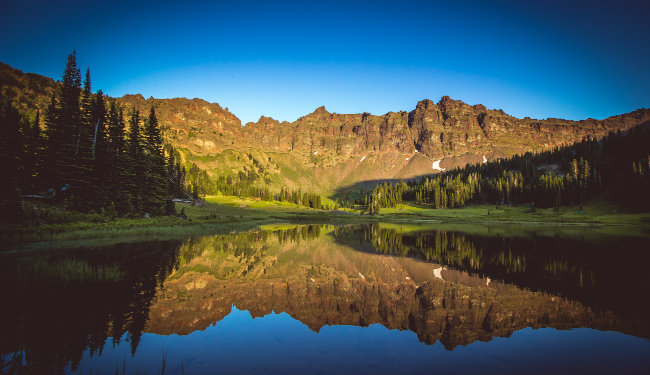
339, 150
450, 128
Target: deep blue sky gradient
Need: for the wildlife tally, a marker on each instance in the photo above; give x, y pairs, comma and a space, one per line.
567, 59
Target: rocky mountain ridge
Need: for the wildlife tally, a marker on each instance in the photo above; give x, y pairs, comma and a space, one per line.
325, 151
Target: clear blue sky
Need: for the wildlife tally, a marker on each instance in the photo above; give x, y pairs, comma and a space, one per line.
568, 59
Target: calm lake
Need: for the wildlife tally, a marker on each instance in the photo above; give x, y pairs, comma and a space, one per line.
310, 299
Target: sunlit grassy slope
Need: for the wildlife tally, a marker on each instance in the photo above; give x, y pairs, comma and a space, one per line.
598, 212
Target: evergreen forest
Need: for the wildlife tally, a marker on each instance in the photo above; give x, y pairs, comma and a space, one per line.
87, 158
615, 168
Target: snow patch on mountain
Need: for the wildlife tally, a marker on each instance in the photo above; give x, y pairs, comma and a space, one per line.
436, 166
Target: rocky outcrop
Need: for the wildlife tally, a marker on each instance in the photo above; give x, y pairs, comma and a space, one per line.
449, 128
195, 124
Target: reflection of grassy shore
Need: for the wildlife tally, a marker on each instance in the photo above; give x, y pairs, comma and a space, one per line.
67, 271
224, 214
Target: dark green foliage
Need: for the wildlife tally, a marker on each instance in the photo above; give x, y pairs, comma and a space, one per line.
386, 195
86, 161
246, 185
116, 176
615, 167
199, 181
49, 170
300, 198
135, 163
83, 178
99, 150
65, 137
31, 152
155, 181
11, 141
175, 174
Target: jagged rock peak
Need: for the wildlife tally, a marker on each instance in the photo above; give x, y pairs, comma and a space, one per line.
320, 111
319, 114
263, 120
425, 104
266, 120
447, 102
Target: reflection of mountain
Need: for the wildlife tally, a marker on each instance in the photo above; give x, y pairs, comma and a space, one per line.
319, 281
603, 272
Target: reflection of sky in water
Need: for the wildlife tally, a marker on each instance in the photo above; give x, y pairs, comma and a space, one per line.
279, 344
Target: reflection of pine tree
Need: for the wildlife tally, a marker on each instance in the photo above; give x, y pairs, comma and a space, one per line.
88, 311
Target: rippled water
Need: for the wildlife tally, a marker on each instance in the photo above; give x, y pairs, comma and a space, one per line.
357, 299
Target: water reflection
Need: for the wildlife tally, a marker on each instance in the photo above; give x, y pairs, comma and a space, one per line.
469, 288
59, 304
602, 271
445, 286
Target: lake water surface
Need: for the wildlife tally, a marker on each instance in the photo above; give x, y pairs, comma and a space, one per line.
358, 299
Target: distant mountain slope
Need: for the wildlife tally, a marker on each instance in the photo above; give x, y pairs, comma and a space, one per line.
324, 151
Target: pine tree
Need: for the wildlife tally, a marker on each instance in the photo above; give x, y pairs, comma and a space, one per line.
67, 124
37, 140
10, 151
30, 153
195, 192
53, 137
155, 175
121, 171
134, 172
99, 150
116, 142
83, 176
175, 174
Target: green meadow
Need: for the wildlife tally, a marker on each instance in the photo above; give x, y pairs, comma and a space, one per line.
223, 214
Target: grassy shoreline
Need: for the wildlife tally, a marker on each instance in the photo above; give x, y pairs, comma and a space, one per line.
222, 214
